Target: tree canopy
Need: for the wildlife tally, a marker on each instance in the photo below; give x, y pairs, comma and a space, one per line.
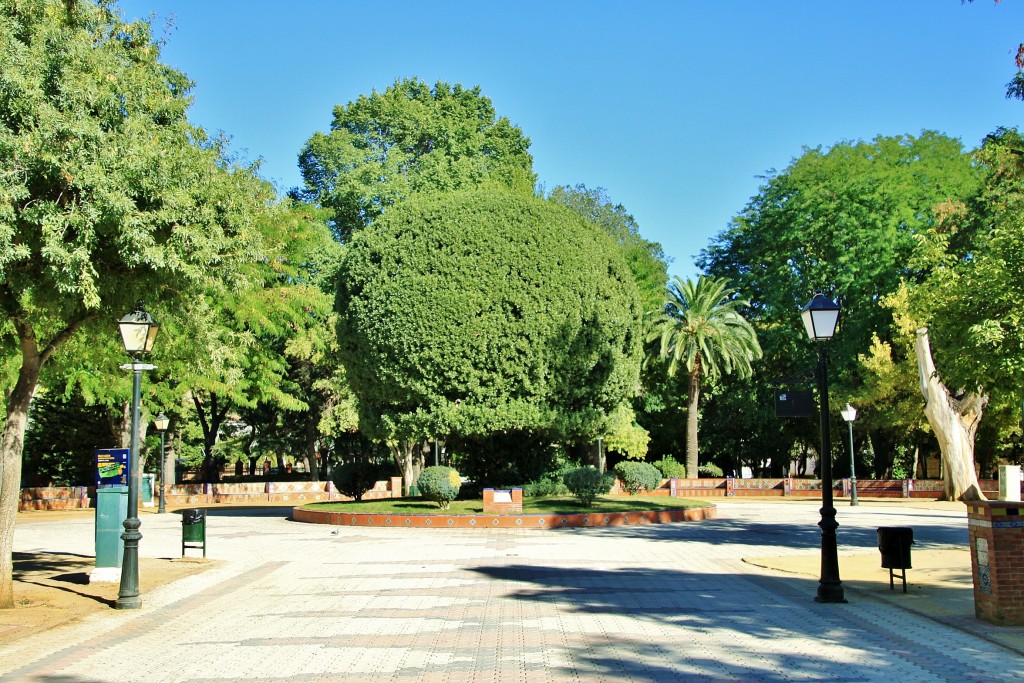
646, 259
384, 147
485, 310
846, 220
108, 194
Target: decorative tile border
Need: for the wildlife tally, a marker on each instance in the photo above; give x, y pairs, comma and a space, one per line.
633, 517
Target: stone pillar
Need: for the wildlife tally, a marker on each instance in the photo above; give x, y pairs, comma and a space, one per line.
997, 561
1009, 483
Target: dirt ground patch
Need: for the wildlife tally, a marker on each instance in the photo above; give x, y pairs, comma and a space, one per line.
51, 589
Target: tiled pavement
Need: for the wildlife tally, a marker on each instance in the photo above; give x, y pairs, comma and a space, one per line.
294, 602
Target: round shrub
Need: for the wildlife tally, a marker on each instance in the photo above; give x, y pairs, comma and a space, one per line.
483, 311
440, 484
638, 476
586, 483
670, 467
356, 477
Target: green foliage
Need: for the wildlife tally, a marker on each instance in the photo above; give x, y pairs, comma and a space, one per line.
61, 441
439, 484
710, 469
624, 436
638, 476
586, 483
503, 459
670, 468
476, 312
358, 475
902, 463
548, 485
702, 329
646, 259
972, 301
411, 138
845, 220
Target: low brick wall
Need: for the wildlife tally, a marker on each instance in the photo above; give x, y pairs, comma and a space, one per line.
503, 502
57, 498
185, 495
503, 521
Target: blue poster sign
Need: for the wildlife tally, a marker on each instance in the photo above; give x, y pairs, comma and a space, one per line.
112, 468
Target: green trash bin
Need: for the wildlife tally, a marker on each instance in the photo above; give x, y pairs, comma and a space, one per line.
193, 530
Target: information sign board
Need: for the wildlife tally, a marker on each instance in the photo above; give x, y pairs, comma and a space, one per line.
112, 467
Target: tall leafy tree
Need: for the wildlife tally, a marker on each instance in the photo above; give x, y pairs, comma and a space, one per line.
970, 303
412, 137
846, 220
702, 330
239, 350
108, 194
486, 311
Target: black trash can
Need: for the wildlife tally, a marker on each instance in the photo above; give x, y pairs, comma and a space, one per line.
193, 530
894, 543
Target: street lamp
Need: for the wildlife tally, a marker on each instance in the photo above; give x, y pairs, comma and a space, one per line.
160, 422
849, 414
138, 332
821, 316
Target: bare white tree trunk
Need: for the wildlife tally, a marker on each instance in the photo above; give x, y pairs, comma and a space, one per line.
955, 423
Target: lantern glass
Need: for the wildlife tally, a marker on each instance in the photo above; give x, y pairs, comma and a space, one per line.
138, 331
821, 317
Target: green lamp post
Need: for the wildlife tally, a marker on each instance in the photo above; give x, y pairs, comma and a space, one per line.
138, 332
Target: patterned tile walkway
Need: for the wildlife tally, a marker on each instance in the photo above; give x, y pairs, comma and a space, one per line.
297, 602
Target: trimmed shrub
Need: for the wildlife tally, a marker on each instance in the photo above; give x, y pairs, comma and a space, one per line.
440, 484
356, 477
710, 470
670, 467
638, 476
545, 486
586, 483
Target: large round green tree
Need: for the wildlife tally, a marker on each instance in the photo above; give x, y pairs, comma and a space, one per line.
474, 312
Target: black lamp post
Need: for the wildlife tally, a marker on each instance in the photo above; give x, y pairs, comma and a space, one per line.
849, 414
138, 332
821, 316
160, 422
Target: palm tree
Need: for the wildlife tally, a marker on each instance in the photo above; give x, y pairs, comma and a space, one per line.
701, 329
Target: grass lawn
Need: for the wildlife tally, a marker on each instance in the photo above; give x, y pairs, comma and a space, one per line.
531, 506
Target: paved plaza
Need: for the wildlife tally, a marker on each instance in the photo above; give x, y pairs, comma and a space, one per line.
674, 602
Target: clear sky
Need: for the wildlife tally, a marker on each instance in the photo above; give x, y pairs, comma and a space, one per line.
675, 108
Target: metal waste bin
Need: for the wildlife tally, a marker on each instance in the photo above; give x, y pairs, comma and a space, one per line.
193, 530
894, 543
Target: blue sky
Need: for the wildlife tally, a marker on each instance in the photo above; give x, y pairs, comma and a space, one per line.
675, 108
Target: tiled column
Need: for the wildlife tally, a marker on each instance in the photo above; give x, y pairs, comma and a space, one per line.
997, 561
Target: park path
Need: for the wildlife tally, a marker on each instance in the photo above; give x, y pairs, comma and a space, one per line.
675, 602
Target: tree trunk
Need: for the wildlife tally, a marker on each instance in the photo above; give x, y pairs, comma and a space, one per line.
13, 441
692, 464
955, 423
10, 468
211, 430
409, 458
